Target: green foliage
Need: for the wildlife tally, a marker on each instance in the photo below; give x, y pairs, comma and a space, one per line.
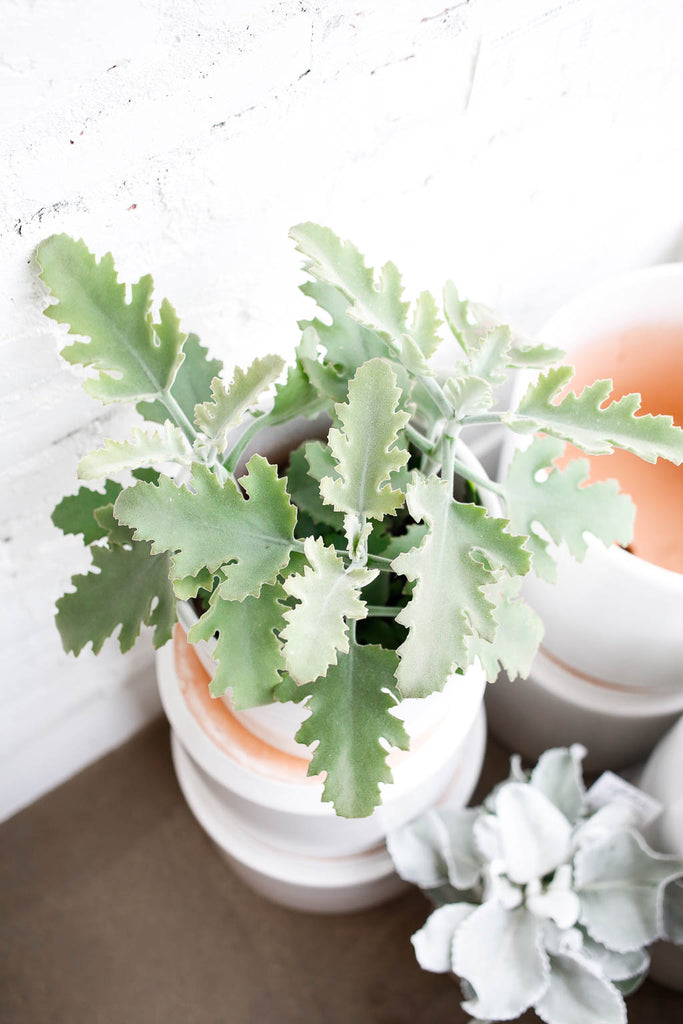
356, 577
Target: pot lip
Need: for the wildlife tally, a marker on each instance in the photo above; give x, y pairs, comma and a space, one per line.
558, 324
226, 830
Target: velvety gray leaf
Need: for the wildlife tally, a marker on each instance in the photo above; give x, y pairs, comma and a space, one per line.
535, 835
578, 994
559, 776
434, 942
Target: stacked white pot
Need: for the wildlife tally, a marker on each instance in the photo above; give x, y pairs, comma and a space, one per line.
245, 780
610, 670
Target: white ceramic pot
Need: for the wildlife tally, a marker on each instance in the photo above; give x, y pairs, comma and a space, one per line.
305, 882
610, 669
613, 617
267, 787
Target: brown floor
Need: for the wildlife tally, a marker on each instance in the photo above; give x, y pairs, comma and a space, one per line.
115, 909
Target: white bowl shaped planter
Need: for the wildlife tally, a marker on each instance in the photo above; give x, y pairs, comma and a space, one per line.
266, 785
304, 882
616, 618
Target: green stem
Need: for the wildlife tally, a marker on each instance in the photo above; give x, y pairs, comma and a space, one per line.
436, 392
378, 562
478, 479
482, 419
419, 440
256, 425
382, 611
179, 416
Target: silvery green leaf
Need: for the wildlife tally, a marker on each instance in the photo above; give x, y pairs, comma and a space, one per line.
468, 395
76, 513
328, 598
143, 449
192, 383
499, 888
365, 448
590, 424
615, 966
630, 985
618, 881
560, 905
499, 952
559, 776
579, 994
487, 837
433, 943
535, 835
672, 910
227, 408
460, 851
454, 562
417, 850
537, 492
618, 816
303, 482
518, 635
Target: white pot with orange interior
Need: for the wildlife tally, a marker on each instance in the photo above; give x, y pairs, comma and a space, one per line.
610, 669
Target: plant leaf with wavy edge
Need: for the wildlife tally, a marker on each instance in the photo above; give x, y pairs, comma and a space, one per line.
535, 836
248, 652
121, 337
350, 715
365, 448
518, 635
308, 465
512, 941
589, 424
564, 505
449, 572
168, 445
299, 394
347, 343
128, 587
228, 407
191, 386
434, 941
618, 882
671, 910
328, 596
375, 300
215, 526
76, 513
578, 993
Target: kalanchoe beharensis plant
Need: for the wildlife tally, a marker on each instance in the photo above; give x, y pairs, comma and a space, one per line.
547, 896
366, 569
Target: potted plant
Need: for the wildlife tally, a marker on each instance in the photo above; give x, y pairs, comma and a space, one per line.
609, 669
552, 883
371, 565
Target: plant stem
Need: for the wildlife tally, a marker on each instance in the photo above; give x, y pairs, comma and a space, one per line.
482, 419
478, 479
257, 424
435, 391
179, 416
419, 440
376, 611
378, 562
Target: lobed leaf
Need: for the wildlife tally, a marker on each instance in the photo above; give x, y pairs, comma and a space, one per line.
215, 527
248, 652
433, 943
133, 357
350, 718
537, 492
308, 465
170, 445
578, 993
76, 513
191, 386
365, 447
227, 408
589, 424
518, 634
455, 561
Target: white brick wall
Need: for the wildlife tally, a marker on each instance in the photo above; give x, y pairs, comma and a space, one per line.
525, 149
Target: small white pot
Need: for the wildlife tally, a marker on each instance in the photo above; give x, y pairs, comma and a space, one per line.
614, 617
324, 885
267, 786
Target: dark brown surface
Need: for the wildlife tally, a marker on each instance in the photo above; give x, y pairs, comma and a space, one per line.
117, 910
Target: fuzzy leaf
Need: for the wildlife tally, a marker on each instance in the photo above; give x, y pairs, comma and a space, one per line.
499, 953
248, 653
454, 562
297, 396
128, 587
562, 503
350, 713
591, 425
619, 882
121, 337
192, 383
214, 526
672, 910
518, 635
365, 447
579, 994
434, 941
170, 445
328, 597
437, 849
558, 775
534, 834
227, 408
615, 966
76, 513
308, 464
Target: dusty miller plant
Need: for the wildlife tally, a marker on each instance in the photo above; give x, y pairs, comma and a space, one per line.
365, 570
544, 899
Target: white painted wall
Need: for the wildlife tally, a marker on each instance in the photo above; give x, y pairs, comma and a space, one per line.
525, 148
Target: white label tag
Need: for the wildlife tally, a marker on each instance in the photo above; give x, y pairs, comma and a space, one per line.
610, 787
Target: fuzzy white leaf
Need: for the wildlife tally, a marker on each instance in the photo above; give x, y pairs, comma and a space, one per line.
579, 994
434, 942
558, 776
227, 408
518, 635
499, 952
328, 597
143, 449
615, 966
535, 835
